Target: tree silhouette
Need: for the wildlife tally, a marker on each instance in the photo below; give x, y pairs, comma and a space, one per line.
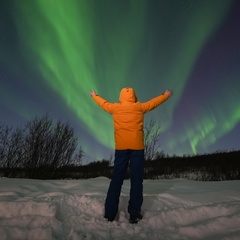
151, 134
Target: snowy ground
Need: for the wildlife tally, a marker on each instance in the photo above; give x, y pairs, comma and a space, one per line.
73, 209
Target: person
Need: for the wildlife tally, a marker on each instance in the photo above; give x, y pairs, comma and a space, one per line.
128, 118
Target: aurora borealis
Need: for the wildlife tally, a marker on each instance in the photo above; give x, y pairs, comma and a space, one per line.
53, 52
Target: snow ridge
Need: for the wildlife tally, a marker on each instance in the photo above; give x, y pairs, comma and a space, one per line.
172, 209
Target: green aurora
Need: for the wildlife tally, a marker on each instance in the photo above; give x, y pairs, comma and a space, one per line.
105, 45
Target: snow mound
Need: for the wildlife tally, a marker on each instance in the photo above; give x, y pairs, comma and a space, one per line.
70, 209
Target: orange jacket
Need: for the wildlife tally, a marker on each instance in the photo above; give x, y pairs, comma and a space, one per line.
128, 117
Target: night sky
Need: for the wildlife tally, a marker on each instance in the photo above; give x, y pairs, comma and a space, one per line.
53, 52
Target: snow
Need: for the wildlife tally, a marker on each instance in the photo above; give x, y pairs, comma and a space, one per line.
73, 209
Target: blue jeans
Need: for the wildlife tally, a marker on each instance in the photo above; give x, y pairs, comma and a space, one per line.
135, 160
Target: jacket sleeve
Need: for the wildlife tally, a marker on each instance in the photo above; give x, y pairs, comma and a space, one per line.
104, 104
154, 102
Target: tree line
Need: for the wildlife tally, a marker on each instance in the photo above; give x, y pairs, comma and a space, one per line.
38, 149
43, 149
216, 166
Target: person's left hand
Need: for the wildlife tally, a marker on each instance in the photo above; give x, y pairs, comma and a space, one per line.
92, 93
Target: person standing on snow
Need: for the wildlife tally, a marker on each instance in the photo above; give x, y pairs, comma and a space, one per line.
128, 117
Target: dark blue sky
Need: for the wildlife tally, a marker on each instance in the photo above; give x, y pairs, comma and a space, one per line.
52, 54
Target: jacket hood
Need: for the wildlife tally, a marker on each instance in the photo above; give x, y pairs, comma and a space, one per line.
127, 95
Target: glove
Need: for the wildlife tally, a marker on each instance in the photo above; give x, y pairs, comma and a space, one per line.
92, 93
169, 92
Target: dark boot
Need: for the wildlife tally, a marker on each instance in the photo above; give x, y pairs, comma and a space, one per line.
135, 219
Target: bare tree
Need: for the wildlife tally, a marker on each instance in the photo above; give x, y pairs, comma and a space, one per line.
78, 158
4, 142
11, 147
39, 149
64, 145
37, 133
151, 134
15, 150
48, 147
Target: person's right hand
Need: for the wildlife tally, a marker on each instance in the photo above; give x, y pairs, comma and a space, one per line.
169, 92
92, 93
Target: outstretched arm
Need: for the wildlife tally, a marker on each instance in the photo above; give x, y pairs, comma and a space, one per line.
104, 104
155, 102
